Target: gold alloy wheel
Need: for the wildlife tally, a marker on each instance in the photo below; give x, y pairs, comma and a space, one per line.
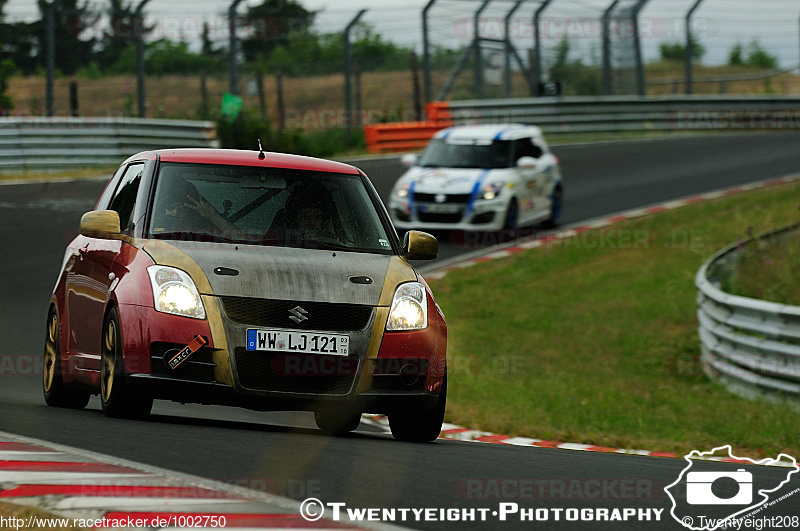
50, 355
108, 360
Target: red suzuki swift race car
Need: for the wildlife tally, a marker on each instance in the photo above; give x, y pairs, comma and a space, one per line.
266, 281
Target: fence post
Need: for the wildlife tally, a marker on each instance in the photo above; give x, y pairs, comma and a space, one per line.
415, 83
426, 52
537, 44
607, 48
348, 67
640, 83
138, 34
507, 46
476, 42
281, 107
688, 56
50, 45
233, 60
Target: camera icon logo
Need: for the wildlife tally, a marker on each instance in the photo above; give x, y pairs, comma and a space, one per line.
699, 488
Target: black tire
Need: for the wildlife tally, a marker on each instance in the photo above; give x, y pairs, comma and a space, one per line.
337, 420
422, 425
56, 394
512, 215
555, 209
117, 400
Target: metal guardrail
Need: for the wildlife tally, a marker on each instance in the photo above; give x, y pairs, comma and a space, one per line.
749, 345
43, 143
615, 114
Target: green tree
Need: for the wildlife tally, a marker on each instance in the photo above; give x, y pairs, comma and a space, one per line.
676, 51
736, 55
270, 24
757, 57
163, 57
17, 43
575, 77
7, 69
119, 33
71, 19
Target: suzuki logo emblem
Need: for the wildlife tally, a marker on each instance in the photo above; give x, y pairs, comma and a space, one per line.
298, 314
440, 198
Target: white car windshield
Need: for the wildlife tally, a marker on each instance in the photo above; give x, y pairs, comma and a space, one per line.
444, 153
266, 206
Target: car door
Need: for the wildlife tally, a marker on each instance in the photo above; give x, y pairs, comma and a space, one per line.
90, 279
531, 178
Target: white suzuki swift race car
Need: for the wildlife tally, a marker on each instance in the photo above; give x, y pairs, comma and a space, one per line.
479, 178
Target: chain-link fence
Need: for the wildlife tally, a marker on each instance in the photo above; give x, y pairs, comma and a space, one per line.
403, 55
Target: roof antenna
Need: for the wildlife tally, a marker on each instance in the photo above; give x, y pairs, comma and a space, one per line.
260, 150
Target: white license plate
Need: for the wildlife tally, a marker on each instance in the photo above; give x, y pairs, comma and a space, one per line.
296, 341
444, 208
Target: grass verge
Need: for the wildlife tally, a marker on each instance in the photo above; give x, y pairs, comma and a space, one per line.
594, 339
77, 173
41, 518
768, 270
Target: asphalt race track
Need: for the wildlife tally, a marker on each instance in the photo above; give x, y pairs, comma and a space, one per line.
283, 453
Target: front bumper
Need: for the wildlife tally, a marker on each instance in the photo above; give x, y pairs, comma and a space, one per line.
265, 380
478, 215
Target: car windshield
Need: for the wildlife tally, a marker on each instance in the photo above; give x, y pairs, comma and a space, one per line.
265, 206
449, 153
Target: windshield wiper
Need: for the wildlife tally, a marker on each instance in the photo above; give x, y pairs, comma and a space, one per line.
324, 244
194, 236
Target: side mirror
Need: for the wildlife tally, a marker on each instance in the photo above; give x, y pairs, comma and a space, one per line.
526, 163
100, 224
409, 159
419, 245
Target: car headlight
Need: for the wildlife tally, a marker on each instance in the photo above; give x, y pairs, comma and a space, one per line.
175, 293
402, 190
409, 308
491, 191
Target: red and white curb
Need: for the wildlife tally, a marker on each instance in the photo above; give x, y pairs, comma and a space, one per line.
459, 433
505, 250
76, 484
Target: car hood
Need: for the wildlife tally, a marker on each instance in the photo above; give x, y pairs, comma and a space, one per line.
449, 180
283, 273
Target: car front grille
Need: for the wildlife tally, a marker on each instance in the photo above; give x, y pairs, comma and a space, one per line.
448, 198
277, 313
296, 373
440, 218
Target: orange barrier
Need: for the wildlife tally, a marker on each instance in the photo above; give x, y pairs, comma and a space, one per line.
408, 136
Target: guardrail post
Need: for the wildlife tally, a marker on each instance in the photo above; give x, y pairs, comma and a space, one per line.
426, 53
138, 34
688, 55
537, 45
348, 67
607, 48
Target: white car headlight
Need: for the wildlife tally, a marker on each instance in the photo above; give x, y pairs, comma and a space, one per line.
174, 292
402, 190
409, 308
491, 191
